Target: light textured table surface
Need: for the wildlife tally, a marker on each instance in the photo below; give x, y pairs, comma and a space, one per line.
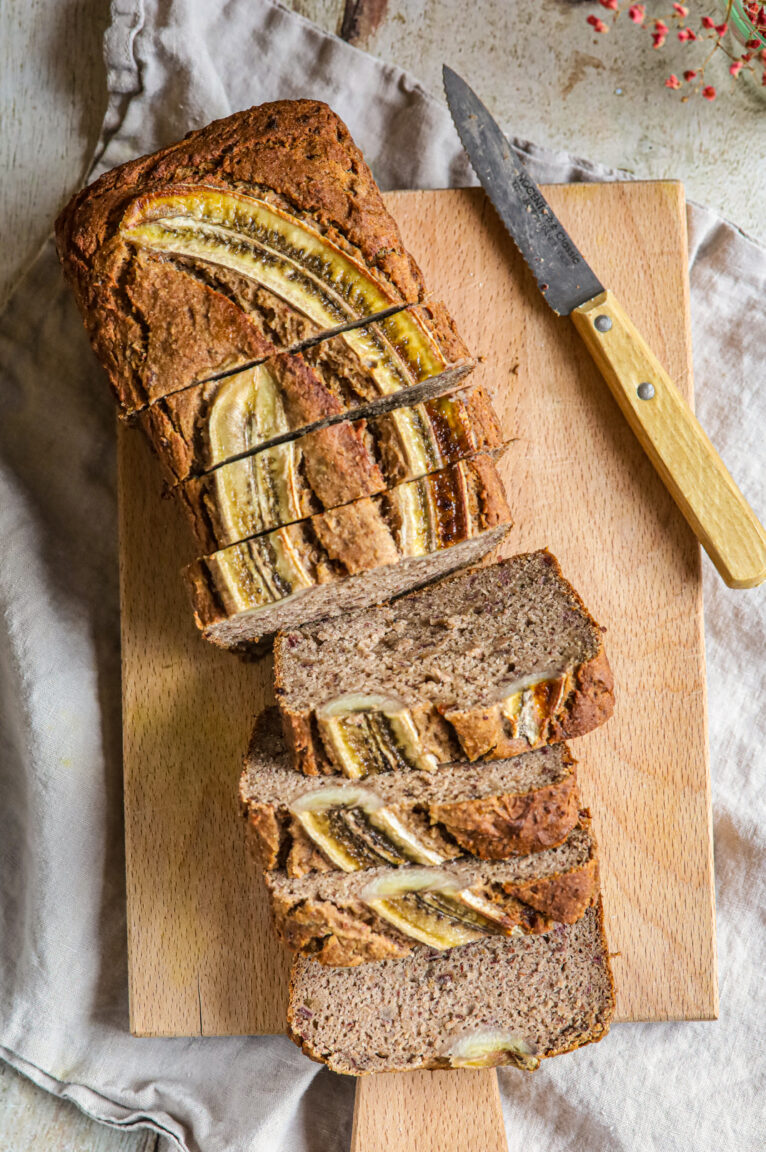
537, 65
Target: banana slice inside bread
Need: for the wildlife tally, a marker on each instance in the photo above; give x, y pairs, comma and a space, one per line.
348, 918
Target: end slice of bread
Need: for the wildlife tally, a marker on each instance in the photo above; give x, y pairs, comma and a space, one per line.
493, 1002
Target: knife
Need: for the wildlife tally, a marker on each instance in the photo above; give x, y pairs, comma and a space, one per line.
665, 425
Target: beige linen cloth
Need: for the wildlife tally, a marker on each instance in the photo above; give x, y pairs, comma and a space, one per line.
63, 979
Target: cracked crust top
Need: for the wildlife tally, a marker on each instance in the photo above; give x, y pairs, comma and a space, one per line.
296, 154
297, 149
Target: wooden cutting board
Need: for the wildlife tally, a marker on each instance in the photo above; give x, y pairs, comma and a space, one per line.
202, 957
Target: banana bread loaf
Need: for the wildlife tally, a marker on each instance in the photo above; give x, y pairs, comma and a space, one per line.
308, 824
349, 918
332, 466
249, 237
497, 1001
358, 554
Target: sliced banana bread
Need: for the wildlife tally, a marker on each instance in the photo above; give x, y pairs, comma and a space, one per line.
496, 1001
305, 824
195, 429
250, 236
355, 555
485, 663
332, 466
348, 918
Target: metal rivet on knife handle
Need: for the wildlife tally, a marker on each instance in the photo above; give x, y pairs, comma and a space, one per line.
645, 391
602, 323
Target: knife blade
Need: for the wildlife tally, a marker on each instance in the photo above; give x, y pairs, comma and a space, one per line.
665, 425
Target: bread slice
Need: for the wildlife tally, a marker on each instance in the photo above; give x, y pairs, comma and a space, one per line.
497, 1001
304, 824
196, 429
332, 466
349, 918
350, 556
482, 664
248, 237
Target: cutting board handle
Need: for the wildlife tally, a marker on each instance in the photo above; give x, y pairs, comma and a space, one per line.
691, 469
429, 1112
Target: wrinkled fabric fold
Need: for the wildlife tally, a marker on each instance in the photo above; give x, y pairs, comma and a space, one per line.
63, 968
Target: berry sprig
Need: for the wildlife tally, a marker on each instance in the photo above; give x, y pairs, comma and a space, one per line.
711, 33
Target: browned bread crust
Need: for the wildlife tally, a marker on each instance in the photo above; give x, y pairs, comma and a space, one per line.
158, 322
337, 927
549, 994
159, 329
481, 732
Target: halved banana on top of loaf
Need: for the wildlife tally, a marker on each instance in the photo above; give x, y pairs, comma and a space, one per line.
252, 236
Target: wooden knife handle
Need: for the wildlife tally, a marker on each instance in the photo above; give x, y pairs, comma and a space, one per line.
674, 441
